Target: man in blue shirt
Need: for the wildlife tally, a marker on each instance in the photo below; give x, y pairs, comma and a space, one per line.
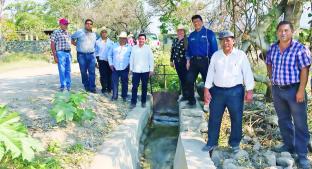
102, 48
118, 59
84, 40
202, 44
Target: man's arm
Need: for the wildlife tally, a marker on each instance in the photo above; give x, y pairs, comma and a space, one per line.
54, 51
304, 75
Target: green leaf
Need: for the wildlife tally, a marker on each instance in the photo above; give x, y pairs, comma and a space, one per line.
88, 114
310, 15
2, 151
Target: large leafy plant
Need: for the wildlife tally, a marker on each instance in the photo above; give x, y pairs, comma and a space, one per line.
14, 139
71, 107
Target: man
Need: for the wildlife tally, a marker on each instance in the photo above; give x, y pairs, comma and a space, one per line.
84, 40
60, 46
229, 69
102, 47
118, 60
202, 44
142, 67
288, 65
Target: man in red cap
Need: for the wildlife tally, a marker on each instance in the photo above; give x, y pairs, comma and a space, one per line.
60, 45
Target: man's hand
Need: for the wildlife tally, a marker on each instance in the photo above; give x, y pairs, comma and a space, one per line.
207, 96
300, 96
112, 67
171, 64
151, 73
249, 96
188, 64
55, 58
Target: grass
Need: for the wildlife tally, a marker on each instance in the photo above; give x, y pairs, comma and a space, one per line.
16, 57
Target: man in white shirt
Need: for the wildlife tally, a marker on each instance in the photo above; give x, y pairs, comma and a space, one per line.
118, 60
142, 67
102, 47
229, 69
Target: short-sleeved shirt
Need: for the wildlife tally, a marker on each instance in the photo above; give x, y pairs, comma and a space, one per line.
286, 66
85, 41
178, 50
62, 39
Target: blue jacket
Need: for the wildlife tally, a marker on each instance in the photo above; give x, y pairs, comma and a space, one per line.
202, 43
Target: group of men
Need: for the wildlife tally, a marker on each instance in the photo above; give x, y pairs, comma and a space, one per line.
115, 60
227, 75
226, 72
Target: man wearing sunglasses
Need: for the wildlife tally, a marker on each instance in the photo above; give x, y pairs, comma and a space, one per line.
84, 40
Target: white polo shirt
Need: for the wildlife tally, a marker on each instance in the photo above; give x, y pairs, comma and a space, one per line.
229, 70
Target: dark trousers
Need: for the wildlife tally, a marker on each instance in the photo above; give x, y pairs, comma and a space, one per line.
180, 66
233, 99
87, 69
123, 75
292, 119
198, 65
136, 77
105, 76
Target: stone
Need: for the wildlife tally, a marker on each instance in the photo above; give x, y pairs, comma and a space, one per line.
285, 162
241, 154
270, 158
229, 164
286, 154
217, 157
257, 146
246, 139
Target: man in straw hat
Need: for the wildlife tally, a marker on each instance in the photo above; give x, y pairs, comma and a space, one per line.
60, 46
102, 48
118, 60
228, 71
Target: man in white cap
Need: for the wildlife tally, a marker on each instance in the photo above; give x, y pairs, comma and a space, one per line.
142, 67
228, 71
60, 46
118, 60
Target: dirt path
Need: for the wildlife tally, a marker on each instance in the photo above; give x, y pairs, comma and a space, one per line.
30, 91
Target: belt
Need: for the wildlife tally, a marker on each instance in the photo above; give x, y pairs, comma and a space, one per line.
67, 51
228, 87
86, 53
286, 86
200, 57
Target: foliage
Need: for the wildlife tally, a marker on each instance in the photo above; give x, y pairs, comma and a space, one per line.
37, 163
160, 83
15, 57
14, 139
69, 107
304, 36
76, 148
8, 30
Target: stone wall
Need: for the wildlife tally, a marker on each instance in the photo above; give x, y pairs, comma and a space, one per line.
27, 46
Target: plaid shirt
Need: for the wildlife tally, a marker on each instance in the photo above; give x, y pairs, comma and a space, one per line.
62, 39
286, 66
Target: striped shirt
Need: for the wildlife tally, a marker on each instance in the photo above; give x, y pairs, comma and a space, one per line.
61, 38
286, 66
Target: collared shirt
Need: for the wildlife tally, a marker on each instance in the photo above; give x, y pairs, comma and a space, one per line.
119, 56
177, 50
102, 48
62, 39
202, 43
286, 66
141, 59
85, 41
229, 70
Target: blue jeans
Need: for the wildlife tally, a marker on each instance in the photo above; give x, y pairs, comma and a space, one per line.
87, 69
136, 77
233, 99
292, 119
64, 60
123, 75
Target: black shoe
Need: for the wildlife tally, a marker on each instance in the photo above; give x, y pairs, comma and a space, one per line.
183, 99
191, 103
124, 99
143, 105
61, 90
103, 91
113, 99
132, 106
